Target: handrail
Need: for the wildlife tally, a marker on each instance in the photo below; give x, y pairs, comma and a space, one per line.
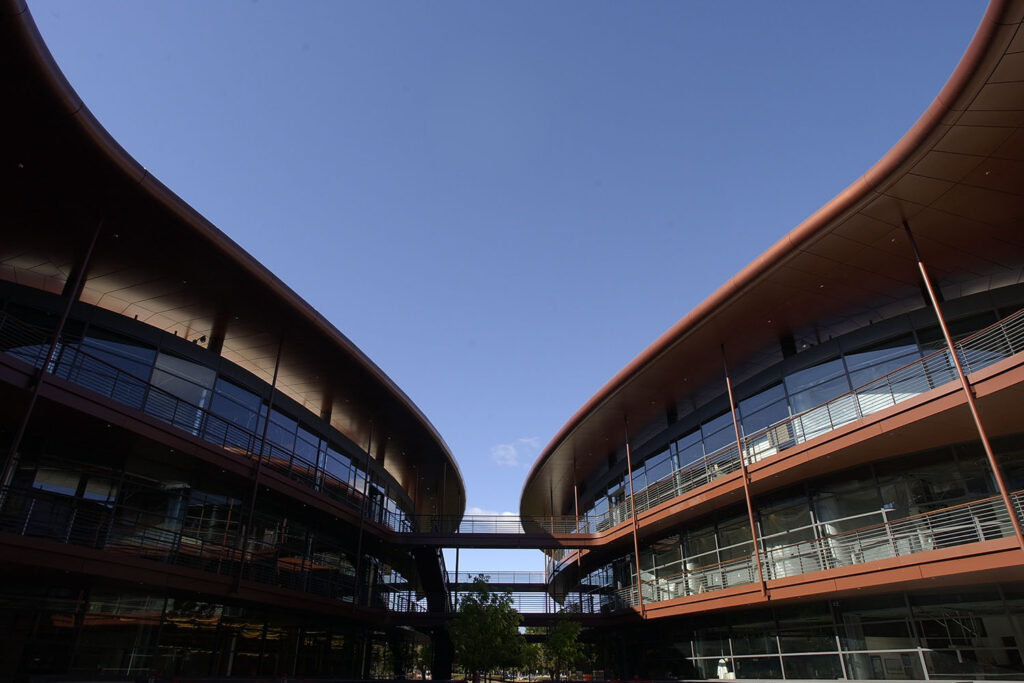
28, 343
210, 545
321, 569
947, 527
497, 577
977, 351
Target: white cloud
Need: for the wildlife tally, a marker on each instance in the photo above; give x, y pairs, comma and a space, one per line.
505, 455
476, 511
519, 452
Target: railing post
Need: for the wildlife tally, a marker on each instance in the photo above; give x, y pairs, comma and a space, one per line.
744, 475
632, 508
968, 392
72, 290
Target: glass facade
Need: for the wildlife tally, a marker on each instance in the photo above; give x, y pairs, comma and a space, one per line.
194, 398
954, 634
102, 488
941, 498
95, 629
791, 406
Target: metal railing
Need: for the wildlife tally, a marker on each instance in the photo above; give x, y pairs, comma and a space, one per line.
30, 344
976, 351
498, 524
953, 526
497, 577
314, 565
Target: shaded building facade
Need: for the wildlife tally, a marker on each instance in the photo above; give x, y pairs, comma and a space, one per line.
201, 475
817, 473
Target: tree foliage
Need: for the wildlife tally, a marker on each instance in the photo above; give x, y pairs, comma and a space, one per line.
562, 647
485, 631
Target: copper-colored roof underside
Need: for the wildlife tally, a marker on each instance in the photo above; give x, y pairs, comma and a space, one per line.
159, 260
957, 177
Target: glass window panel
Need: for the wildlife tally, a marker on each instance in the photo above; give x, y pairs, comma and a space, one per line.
785, 518
181, 389
124, 354
235, 404
716, 424
112, 366
806, 628
734, 539
768, 415
712, 642
100, 489
874, 624
306, 446
873, 372
658, 466
281, 431
690, 448
184, 379
699, 547
813, 667
687, 440
758, 667
717, 440
188, 638
814, 375
64, 482
753, 637
873, 354
818, 394
840, 499
749, 406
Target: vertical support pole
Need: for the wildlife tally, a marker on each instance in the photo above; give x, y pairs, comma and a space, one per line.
632, 508
356, 589
551, 508
456, 601
247, 531
968, 392
72, 290
444, 498
745, 476
576, 511
418, 526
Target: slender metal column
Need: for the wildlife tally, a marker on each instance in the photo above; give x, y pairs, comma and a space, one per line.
551, 508
247, 530
362, 516
75, 281
456, 601
632, 506
744, 475
968, 392
438, 523
576, 511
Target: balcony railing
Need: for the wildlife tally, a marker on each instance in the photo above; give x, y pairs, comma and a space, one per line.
497, 577
822, 549
498, 524
30, 344
313, 565
976, 352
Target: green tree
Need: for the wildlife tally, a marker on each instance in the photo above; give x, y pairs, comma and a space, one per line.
562, 647
532, 658
485, 630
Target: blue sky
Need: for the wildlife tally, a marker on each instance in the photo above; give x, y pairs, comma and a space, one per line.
504, 203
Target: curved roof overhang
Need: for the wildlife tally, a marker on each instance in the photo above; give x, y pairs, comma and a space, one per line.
957, 177
160, 261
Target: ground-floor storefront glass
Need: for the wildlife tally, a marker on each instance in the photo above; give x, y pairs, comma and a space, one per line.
974, 632
107, 630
